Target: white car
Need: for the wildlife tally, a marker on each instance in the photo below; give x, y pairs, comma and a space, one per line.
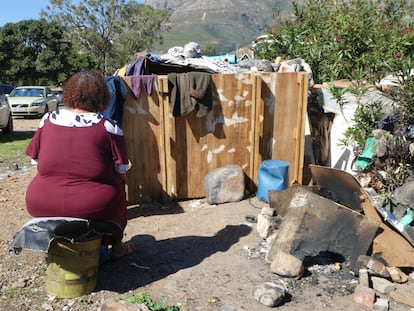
32, 100
59, 95
6, 119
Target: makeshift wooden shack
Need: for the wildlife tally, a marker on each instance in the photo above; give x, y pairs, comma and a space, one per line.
255, 116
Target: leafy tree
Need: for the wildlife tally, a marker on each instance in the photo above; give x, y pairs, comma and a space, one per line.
34, 52
338, 38
110, 31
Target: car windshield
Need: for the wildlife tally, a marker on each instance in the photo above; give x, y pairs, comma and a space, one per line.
31, 92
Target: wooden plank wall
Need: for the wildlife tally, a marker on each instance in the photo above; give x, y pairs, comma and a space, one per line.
255, 117
143, 126
196, 146
289, 122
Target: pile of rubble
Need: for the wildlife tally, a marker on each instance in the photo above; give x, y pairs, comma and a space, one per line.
336, 216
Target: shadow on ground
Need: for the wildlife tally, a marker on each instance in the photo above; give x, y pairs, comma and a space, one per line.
16, 136
144, 210
155, 260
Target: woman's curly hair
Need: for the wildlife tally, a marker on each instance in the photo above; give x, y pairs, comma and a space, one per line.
86, 90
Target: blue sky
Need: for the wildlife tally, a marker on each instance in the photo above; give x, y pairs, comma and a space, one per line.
13, 11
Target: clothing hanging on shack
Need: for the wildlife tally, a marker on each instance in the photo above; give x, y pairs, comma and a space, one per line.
118, 91
189, 91
136, 67
146, 81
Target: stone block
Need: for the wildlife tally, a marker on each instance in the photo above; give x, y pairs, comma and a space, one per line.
267, 222
224, 184
374, 267
268, 211
270, 294
265, 225
364, 277
382, 285
286, 265
381, 304
397, 275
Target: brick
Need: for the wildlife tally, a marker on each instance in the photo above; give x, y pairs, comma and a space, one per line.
364, 296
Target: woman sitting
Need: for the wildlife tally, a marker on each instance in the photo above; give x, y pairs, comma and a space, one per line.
81, 157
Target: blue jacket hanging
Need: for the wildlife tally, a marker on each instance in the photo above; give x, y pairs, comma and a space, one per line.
118, 91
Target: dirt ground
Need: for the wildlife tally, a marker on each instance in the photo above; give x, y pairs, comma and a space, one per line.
192, 254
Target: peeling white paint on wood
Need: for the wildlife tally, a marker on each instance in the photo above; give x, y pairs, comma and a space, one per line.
247, 80
231, 150
235, 120
219, 149
221, 96
204, 147
137, 109
244, 166
209, 157
240, 76
214, 151
131, 110
212, 121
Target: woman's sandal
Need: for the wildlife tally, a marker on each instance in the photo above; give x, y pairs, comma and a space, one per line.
125, 249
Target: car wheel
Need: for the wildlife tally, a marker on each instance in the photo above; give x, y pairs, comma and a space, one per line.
9, 127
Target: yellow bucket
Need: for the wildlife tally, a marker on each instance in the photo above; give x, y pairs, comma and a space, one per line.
72, 267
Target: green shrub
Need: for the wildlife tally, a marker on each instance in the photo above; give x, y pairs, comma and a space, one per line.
390, 171
339, 38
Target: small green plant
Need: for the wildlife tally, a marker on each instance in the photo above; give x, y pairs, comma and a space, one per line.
365, 116
144, 298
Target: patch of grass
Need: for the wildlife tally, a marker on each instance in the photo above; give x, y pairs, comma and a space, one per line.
12, 148
11, 293
144, 298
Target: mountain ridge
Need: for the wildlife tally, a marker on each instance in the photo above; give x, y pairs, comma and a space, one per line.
225, 25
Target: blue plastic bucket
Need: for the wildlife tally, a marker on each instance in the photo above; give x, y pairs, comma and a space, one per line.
273, 175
